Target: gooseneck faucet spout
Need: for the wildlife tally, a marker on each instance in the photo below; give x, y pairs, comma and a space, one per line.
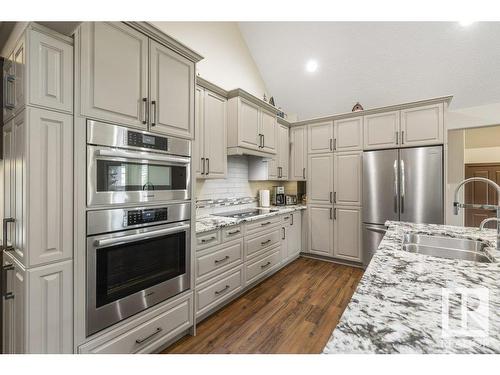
490, 207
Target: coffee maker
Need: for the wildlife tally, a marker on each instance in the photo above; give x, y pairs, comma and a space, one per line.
278, 196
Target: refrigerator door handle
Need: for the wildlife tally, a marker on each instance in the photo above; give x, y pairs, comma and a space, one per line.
402, 166
396, 183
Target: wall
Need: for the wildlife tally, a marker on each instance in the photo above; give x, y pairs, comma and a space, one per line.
456, 142
482, 145
473, 117
227, 61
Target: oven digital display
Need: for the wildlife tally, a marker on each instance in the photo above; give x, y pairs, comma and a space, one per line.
146, 216
148, 139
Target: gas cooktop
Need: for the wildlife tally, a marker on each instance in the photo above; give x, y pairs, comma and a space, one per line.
242, 214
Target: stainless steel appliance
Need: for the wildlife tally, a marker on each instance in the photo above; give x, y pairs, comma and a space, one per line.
290, 199
126, 166
136, 258
278, 196
400, 184
241, 214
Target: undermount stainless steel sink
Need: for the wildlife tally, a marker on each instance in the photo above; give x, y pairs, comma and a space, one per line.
445, 247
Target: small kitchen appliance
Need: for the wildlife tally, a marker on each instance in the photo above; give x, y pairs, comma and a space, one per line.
278, 196
290, 200
264, 196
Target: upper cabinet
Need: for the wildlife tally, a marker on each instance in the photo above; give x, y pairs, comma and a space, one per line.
39, 72
283, 151
320, 137
348, 134
210, 138
298, 153
381, 130
252, 125
130, 79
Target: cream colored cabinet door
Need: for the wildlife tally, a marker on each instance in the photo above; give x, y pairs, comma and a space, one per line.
348, 134
214, 133
20, 186
50, 72
348, 174
14, 307
347, 233
114, 73
298, 153
381, 130
272, 168
9, 180
284, 151
268, 129
320, 180
249, 125
320, 233
9, 88
171, 92
49, 139
422, 125
320, 137
295, 234
20, 74
199, 140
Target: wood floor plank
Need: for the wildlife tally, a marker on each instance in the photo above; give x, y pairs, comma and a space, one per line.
293, 311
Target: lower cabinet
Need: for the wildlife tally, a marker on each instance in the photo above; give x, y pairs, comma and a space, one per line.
320, 233
263, 264
38, 308
347, 228
291, 242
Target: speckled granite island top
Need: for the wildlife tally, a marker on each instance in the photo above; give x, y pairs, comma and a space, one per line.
212, 222
412, 303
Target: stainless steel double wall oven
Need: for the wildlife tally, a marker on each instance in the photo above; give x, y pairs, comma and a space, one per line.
138, 221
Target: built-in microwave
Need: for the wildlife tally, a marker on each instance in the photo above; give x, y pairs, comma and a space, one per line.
127, 167
136, 258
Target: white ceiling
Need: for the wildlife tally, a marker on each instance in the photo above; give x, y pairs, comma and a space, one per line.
375, 63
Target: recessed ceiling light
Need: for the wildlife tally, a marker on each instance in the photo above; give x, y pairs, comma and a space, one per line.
465, 23
312, 66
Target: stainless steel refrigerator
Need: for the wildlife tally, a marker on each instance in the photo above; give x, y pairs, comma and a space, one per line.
402, 185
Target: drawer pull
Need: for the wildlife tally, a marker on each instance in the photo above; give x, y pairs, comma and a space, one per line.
217, 292
208, 240
140, 341
266, 223
217, 261
265, 242
286, 218
234, 232
265, 265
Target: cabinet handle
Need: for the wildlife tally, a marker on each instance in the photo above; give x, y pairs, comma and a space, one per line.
304, 173
263, 140
334, 214
233, 232
208, 240
265, 242
334, 144
331, 197
260, 140
265, 265
6, 221
217, 261
331, 213
144, 110
284, 235
334, 197
397, 138
10, 81
266, 223
286, 218
153, 109
140, 341
402, 137
6, 268
331, 144
208, 166
291, 215
217, 292
203, 165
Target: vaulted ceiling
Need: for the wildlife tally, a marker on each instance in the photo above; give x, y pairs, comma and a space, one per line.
375, 63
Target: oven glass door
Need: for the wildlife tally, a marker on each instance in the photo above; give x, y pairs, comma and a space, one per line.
125, 269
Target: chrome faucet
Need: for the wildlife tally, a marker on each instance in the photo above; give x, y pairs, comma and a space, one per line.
489, 207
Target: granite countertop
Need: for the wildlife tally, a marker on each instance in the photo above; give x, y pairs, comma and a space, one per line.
212, 222
409, 303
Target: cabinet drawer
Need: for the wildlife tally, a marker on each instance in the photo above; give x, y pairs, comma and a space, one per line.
210, 294
263, 265
263, 241
259, 225
223, 258
149, 335
205, 240
232, 233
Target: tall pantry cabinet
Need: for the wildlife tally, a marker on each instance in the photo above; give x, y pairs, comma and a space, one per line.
37, 239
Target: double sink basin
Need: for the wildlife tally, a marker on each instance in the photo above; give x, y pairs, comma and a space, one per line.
446, 247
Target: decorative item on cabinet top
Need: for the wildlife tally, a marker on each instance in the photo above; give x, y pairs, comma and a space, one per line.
357, 107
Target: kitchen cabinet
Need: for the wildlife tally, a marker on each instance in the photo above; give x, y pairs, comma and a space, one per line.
348, 134
130, 79
421, 126
9, 103
291, 243
283, 151
20, 74
320, 229
275, 168
210, 140
320, 137
347, 229
171, 92
298, 153
348, 178
381, 130
252, 125
320, 179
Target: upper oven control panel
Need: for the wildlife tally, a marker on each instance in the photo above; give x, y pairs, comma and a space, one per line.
135, 217
152, 142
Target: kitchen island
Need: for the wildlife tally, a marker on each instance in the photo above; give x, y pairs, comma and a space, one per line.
411, 303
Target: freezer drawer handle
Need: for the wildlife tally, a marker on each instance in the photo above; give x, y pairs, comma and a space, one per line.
140, 341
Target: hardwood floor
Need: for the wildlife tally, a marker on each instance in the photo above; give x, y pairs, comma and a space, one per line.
294, 311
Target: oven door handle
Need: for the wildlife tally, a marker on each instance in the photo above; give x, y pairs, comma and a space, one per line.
141, 236
142, 156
